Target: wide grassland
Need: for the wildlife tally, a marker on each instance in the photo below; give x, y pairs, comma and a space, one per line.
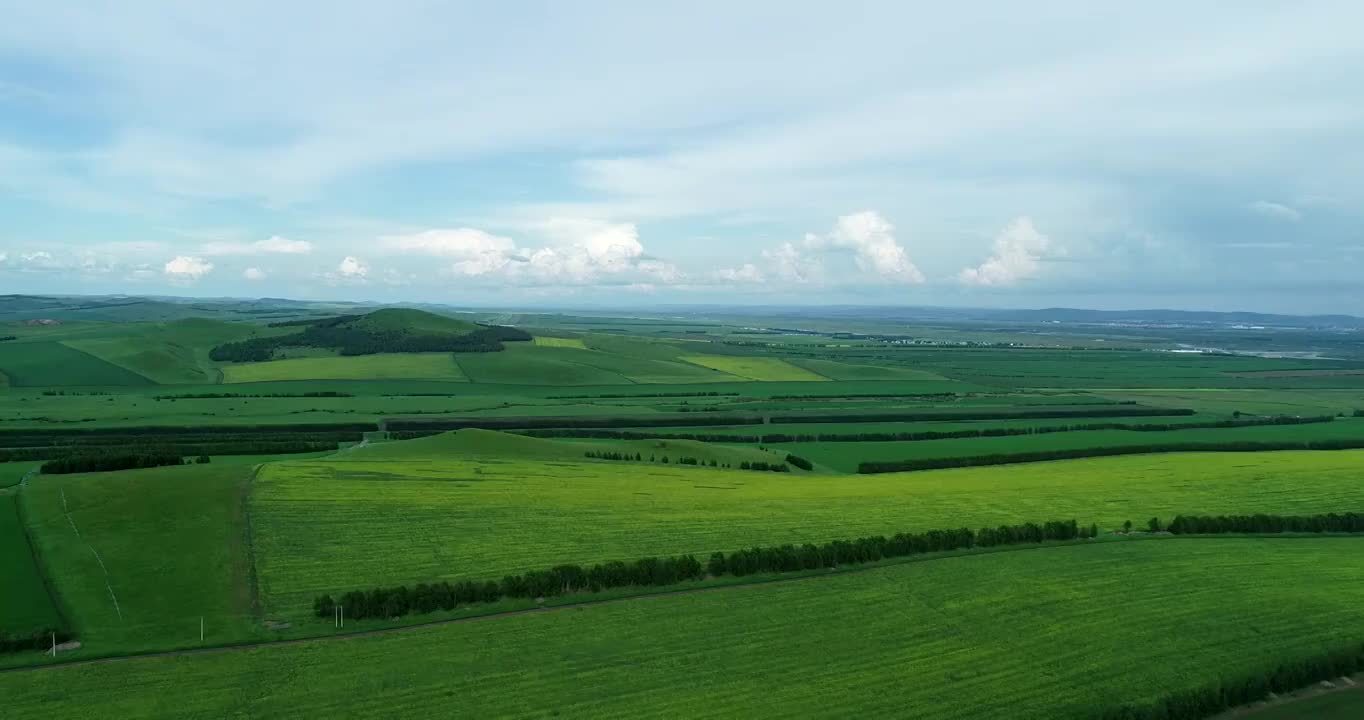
348, 522
762, 369
1041, 633
845, 456
137, 557
431, 366
24, 603
541, 364
42, 364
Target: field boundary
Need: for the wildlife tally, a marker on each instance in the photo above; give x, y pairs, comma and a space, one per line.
257, 611
749, 582
53, 597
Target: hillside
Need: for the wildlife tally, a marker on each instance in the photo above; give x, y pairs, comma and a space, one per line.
391, 330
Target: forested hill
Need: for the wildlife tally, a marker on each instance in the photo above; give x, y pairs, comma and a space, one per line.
392, 330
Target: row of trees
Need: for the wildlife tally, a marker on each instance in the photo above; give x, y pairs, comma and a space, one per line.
1024, 414
254, 447
347, 339
37, 640
712, 393
855, 396
655, 572
1216, 698
1220, 524
3, 338
885, 466
108, 463
168, 430
764, 466
685, 460
227, 396
563, 423
799, 462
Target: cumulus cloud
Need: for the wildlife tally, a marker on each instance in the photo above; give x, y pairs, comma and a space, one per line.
1275, 210
579, 251
273, 245
351, 268
184, 268
871, 239
1018, 250
790, 264
254, 274
475, 252
746, 273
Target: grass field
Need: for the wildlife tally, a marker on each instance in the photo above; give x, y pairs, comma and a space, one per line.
11, 473
433, 366
500, 447
24, 602
845, 456
763, 369
419, 519
1034, 634
43, 364
575, 343
850, 371
167, 544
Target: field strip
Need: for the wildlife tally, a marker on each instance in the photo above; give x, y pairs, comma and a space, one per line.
252, 577
759, 583
67, 512
38, 564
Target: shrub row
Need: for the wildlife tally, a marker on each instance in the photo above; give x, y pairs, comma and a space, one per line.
685, 460
1216, 698
853, 396
108, 463
799, 462
761, 465
37, 640
1023, 414
283, 447
652, 572
537, 423
226, 396
1074, 453
712, 393
1220, 524
199, 429
4, 338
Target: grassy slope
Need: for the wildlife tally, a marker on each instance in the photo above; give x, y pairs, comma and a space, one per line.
433, 366
1034, 634
485, 518
523, 363
762, 369
846, 455
41, 364
24, 603
416, 322
172, 540
852, 371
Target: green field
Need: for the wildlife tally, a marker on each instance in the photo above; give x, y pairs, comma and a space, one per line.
24, 604
45, 364
156, 550
422, 366
845, 456
763, 369
575, 343
1035, 634
434, 518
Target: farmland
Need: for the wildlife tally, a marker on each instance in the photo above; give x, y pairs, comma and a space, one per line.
331, 471
1077, 623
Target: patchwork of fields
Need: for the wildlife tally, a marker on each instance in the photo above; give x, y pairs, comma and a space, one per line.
413, 366
1036, 634
761, 369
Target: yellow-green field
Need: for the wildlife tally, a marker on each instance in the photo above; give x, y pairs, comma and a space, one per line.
763, 369
1029, 635
575, 343
405, 366
337, 524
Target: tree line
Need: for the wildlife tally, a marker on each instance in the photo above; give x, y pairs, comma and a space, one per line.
4, 338
1221, 696
108, 463
712, 393
799, 462
360, 341
923, 416
283, 447
227, 396
539, 423
655, 572
1349, 522
885, 466
684, 460
36, 640
854, 396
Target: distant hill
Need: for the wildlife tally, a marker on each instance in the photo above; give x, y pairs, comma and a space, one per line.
391, 330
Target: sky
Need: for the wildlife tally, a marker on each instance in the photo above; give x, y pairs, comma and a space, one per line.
1106, 155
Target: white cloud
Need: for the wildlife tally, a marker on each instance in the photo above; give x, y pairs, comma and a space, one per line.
184, 268
1275, 210
475, 252
872, 241
273, 245
790, 264
746, 273
254, 274
351, 268
1017, 252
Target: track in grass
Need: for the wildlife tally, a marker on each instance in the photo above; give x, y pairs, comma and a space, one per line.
1025, 635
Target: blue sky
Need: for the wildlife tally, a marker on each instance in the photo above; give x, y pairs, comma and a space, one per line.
1004, 154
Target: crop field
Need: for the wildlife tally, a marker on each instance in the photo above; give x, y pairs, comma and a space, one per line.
44, 364
563, 342
1034, 634
24, 603
845, 456
850, 371
156, 550
762, 369
433, 366
431, 518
